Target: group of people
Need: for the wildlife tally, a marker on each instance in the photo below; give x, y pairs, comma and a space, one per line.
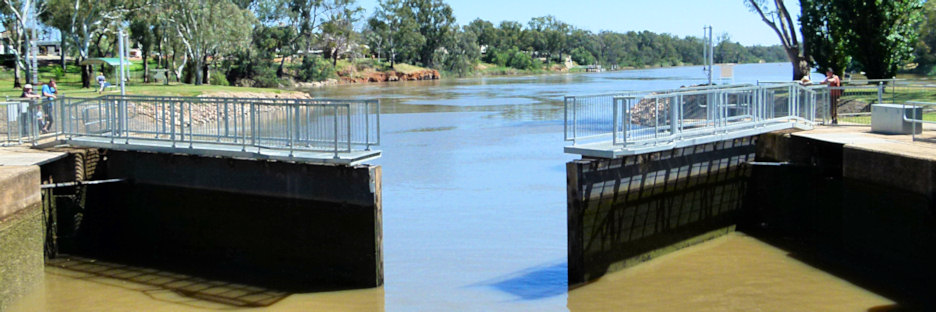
44, 115
834, 82
48, 92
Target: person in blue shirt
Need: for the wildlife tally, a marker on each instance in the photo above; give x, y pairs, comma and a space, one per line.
49, 93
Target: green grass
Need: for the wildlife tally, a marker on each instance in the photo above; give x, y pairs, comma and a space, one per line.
866, 119
69, 84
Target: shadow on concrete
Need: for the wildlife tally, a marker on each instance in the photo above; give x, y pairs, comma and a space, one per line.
152, 281
628, 210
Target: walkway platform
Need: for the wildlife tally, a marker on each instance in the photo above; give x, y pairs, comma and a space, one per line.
861, 137
606, 149
25, 156
225, 150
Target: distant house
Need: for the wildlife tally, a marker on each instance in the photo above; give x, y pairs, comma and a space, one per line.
49, 48
46, 47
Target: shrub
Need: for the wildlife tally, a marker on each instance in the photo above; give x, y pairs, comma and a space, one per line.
520, 60
315, 68
218, 80
582, 56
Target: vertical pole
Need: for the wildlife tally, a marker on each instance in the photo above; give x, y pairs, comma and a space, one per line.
335, 133
574, 120
348, 120
366, 125
614, 121
656, 116
626, 122
674, 115
120, 44
172, 123
880, 92
34, 54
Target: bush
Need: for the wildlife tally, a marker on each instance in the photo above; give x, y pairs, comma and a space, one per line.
582, 56
497, 57
315, 68
520, 60
58, 72
265, 77
218, 80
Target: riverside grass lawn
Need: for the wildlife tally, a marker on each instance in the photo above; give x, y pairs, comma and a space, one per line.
69, 84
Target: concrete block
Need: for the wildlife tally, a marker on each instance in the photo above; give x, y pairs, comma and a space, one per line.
19, 188
888, 119
21, 232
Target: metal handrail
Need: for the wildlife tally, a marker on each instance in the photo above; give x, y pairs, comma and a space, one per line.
916, 119
252, 124
642, 119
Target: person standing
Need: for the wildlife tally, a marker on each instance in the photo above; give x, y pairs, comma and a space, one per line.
28, 94
834, 93
49, 93
102, 82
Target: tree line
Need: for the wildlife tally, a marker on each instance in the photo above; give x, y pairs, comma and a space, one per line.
270, 43
877, 37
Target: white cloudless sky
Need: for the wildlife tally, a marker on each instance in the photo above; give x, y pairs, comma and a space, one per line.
677, 17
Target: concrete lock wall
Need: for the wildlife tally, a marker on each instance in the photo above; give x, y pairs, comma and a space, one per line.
868, 215
628, 210
21, 234
277, 224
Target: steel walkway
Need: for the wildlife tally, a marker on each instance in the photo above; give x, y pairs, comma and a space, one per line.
616, 125
303, 130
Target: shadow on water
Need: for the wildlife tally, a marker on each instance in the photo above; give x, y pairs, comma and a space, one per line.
878, 238
533, 283
153, 282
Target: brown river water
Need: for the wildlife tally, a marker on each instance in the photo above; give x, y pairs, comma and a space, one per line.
474, 220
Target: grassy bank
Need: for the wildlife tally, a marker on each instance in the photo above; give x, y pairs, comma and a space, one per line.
69, 83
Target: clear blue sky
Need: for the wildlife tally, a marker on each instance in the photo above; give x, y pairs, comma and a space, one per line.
677, 17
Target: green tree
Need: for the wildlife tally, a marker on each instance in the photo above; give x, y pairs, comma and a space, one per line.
435, 22
395, 24
778, 18
86, 20
338, 30
207, 29
141, 31
824, 35
581, 56
926, 46
460, 54
484, 31
882, 33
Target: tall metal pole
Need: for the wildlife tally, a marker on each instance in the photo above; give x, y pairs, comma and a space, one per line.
709, 52
33, 56
120, 44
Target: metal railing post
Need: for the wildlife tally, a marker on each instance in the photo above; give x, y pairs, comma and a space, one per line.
335, 133
625, 123
880, 92
172, 127
674, 115
366, 125
614, 121
290, 128
348, 111
574, 121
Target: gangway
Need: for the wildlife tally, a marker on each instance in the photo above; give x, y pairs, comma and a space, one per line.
630, 123
326, 131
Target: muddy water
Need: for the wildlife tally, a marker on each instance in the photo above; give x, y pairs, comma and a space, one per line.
474, 219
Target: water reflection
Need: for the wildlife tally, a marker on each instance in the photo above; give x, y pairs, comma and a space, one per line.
192, 291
